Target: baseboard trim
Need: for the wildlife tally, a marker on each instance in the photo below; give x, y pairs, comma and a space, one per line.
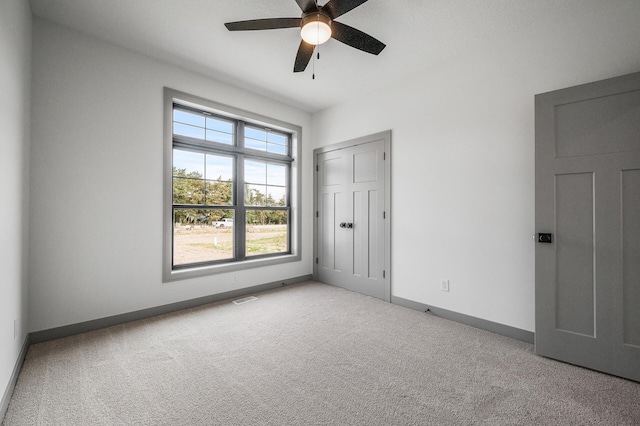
97, 324
6, 398
494, 327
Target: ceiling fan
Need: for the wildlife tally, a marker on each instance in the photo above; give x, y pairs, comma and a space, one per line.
317, 25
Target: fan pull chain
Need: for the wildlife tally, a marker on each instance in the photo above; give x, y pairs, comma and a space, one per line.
318, 51
318, 31
313, 76
313, 65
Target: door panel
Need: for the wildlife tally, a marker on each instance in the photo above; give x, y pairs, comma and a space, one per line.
599, 125
374, 219
364, 167
359, 251
631, 255
574, 253
327, 244
587, 195
342, 252
351, 228
333, 171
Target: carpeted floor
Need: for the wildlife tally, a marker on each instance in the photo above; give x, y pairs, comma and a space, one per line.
308, 354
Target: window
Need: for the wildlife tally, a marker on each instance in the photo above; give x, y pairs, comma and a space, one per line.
231, 189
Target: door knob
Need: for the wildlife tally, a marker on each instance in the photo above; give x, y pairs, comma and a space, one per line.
350, 225
343, 225
544, 238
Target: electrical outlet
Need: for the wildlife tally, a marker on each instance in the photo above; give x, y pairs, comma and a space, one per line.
444, 285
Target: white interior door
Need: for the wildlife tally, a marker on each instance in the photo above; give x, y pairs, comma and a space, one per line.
588, 199
351, 216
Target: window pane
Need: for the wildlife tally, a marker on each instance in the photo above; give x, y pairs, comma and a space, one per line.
255, 144
277, 138
219, 168
265, 140
276, 174
267, 232
255, 139
188, 118
255, 195
218, 193
277, 149
186, 130
276, 196
220, 137
200, 235
188, 191
188, 164
250, 132
255, 171
219, 125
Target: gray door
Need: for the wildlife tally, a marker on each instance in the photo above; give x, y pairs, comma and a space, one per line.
351, 219
588, 198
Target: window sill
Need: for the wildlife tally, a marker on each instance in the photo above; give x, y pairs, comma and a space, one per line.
184, 274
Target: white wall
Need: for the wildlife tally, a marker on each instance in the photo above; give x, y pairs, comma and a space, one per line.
462, 167
96, 222
463, 157
15, 80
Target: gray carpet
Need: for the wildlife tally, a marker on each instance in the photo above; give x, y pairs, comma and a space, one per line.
308, 354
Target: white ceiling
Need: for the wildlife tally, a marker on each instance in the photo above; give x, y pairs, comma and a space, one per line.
419, 34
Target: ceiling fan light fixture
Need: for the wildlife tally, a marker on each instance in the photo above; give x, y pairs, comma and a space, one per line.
316, 28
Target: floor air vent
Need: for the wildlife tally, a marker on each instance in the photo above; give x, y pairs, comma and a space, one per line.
245, 300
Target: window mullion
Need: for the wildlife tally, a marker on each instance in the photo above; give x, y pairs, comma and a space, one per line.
240, 228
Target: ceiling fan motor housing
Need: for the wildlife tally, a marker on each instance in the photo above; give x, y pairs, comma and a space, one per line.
315, 17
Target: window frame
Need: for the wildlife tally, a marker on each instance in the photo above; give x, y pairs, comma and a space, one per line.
294, 178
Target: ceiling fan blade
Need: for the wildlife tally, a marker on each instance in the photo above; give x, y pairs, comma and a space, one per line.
263, 24
305, 51
307, 6
336, 8
356, 38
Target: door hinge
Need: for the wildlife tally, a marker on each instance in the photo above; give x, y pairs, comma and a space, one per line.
317, 214
316, 260
384, 215
317, 168
384, 274
384, 155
